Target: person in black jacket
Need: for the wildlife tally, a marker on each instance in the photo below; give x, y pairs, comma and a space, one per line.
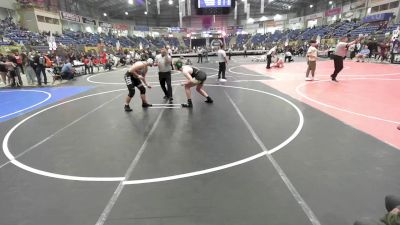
40, 63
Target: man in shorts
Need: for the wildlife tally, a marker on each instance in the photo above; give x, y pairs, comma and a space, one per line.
136, 77
195, 77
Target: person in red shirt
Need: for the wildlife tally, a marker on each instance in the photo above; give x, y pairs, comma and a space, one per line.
96, 63
88, 64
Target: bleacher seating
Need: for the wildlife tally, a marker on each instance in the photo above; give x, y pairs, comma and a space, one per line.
171, 41
12, 34
187, 41
365, 29
242, 39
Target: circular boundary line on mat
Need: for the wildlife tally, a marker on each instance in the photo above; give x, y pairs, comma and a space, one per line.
342, 109
12, 159
21, 110
284, 73
236, 163
89, 79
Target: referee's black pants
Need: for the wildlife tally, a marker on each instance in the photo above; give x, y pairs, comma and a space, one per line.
338, 62
165, 79
222, 69
269, 60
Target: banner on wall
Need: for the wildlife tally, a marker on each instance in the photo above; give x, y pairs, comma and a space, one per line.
334, 11
70, 17
121, 26
296, 20
175, 29
314, 16
161, 30
105, 25
377, 17
88, 20
357, 4
141, 28
374, 2
269, 23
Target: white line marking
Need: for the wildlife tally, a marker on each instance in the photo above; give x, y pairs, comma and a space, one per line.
282, 73
239, 162
60, 130
341, 109
45, 100
307, 210
7, 152
11, 157
245, 74
107, 210
165, 107
166, 104
89, 79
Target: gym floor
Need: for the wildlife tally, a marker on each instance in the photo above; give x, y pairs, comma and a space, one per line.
272, 149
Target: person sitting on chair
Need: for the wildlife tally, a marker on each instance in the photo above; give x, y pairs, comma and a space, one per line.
363, 54
67, 72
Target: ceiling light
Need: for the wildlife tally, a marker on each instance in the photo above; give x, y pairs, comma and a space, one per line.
170, 2
104, 14
145, 12
130, 2
126, 13
330, 2
311, 6
289, 7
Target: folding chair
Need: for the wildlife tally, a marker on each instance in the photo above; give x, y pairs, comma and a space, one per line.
54, 74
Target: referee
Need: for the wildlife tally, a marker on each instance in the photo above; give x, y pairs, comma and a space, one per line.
340, 53
222, 63
163, 61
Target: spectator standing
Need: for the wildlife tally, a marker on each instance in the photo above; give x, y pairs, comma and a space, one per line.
312, 55
40, 63
29, 69
18, 58
199, 55
230, 52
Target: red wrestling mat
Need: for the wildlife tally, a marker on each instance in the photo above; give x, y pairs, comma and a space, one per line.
367, 96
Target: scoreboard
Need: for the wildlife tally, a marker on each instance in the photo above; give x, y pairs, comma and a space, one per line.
214, 7
214, 3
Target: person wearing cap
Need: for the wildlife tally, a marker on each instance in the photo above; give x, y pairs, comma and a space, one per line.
195, 77
136, 77
164, 62
340, 53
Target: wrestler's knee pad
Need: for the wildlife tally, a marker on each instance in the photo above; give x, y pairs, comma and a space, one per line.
131, 92
142, 90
